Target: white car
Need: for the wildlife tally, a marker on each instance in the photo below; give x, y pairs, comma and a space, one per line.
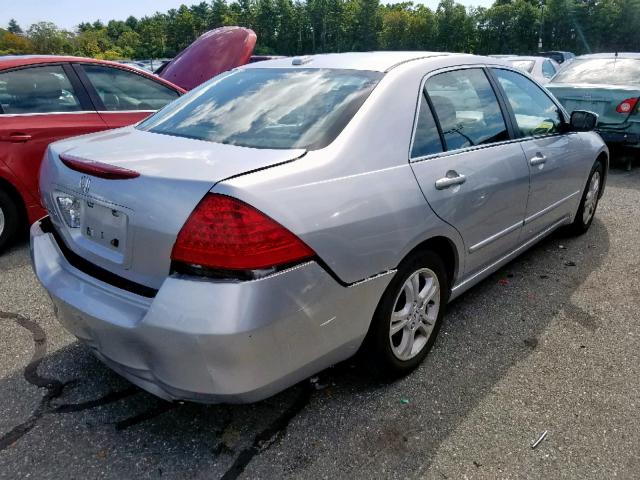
540, 68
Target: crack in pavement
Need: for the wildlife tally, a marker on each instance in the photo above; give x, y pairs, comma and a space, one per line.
54, 387
265, 439
144, 416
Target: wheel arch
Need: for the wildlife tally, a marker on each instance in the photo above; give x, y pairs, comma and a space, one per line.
11, 190
603, 157
447, 250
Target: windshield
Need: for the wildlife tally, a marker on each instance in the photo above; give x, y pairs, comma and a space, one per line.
526, 65
268, 108
623, 71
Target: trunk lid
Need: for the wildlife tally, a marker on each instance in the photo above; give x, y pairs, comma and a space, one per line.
128, 226
600, 99
212, 53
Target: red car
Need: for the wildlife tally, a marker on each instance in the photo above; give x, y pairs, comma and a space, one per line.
46, 98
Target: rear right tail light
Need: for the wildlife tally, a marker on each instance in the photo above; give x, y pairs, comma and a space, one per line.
224, 233
627, 106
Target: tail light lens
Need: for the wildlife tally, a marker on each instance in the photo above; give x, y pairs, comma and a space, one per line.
627, 106
224, 233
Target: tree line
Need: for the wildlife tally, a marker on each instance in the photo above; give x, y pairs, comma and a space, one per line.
293, 27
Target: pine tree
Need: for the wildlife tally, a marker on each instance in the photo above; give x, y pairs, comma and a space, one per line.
14, 27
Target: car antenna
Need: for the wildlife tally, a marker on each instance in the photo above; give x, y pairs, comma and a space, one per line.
615, 59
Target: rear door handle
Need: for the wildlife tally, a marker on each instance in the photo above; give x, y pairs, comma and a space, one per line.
539, 159
16, 138
452, 178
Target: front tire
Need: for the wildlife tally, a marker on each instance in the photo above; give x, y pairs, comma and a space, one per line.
409, 315
8, 220
589, 202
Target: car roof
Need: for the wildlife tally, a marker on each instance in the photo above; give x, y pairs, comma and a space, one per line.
373, 61
10, 61
610, 55
13, 61
524, 57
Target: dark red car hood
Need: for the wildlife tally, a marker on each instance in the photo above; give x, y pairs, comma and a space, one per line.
214, 52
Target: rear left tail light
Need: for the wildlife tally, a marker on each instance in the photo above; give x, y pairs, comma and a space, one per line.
224, 233
627, 106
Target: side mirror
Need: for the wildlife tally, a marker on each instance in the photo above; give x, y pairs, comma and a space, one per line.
583, 121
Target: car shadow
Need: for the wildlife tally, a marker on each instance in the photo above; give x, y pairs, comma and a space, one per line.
91, 411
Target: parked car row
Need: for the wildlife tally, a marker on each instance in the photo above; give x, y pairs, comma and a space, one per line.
294, 211
607, 84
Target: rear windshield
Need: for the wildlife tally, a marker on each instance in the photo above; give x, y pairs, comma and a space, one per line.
268, 108
526, 65
623, 71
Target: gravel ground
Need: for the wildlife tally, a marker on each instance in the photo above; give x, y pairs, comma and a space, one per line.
542, 345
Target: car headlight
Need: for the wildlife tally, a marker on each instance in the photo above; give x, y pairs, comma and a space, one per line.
69, 209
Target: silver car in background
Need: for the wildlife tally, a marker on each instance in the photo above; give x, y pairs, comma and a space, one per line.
289, 213
541, 68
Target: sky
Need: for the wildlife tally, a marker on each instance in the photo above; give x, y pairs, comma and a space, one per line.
69, 13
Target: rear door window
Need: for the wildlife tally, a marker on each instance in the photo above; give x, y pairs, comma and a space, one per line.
535, 112
122, 90
426, 140
43, 89
548, 70
467, 108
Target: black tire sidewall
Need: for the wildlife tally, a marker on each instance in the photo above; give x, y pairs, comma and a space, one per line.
578, 224
10, 211
377, 342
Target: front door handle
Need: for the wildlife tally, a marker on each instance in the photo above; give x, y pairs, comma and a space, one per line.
452, 178
17, 138
539, 159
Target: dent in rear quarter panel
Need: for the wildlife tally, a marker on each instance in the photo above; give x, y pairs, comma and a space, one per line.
355, 202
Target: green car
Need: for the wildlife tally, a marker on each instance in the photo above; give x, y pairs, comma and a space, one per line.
607, 84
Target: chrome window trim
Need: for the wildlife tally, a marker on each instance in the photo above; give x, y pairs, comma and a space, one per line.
127, 111
3, 115
77, 112
479, 66
462, 150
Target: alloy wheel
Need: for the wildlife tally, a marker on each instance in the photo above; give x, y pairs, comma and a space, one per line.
2, 221
591, 199
414, 314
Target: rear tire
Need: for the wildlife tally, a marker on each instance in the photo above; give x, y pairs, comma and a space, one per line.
408, 317
8, 220
589, 201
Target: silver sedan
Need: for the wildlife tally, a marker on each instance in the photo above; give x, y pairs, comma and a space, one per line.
287, 214
540, 68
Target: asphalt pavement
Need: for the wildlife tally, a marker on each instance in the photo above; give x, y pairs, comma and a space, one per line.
550, 343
